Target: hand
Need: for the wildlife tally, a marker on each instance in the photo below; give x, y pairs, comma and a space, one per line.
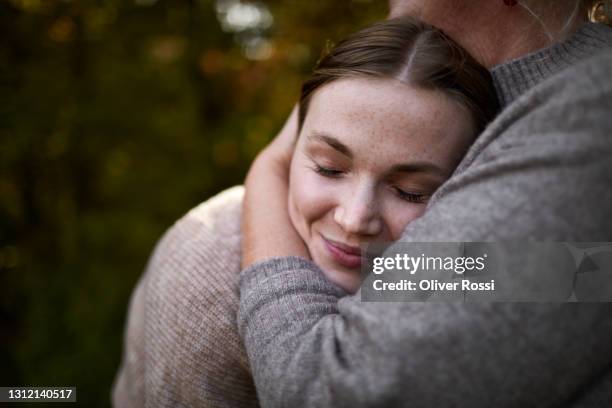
267, 230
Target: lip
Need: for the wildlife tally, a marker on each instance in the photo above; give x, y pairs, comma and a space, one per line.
346, 255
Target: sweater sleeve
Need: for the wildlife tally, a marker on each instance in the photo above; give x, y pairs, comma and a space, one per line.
310, 347
524, 179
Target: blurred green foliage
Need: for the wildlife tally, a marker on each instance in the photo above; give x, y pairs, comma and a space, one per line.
116, 118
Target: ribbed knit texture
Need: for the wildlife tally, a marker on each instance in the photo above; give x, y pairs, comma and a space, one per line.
513, 78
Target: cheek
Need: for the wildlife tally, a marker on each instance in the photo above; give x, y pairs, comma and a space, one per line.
310, 199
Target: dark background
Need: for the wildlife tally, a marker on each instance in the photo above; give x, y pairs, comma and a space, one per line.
116, 117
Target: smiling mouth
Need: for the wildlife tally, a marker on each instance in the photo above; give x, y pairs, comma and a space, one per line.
345, 255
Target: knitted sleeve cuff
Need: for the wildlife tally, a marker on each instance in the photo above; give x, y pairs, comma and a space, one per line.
260, 271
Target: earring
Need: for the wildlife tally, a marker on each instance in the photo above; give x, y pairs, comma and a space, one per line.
599, 12
510, 3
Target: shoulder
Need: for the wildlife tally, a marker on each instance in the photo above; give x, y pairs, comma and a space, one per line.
212, 224
581, 89
188, 299
576, 101
220, 213
564, 118
201, 247
541, 170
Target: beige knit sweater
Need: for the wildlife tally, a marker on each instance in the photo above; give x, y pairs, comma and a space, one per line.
182, 347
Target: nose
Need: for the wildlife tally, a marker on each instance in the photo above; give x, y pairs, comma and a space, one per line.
358, 213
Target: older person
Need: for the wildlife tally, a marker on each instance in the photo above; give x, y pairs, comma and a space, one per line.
542, 171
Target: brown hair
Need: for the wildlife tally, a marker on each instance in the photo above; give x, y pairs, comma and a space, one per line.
414, 53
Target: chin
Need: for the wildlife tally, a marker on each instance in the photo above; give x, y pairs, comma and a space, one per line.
349, 282
347, 279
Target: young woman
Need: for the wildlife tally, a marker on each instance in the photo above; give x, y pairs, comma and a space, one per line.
384, 120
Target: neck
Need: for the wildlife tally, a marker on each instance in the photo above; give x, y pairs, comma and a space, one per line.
490, 31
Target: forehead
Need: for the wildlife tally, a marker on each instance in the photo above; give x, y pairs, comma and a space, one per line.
389, 118
403, 7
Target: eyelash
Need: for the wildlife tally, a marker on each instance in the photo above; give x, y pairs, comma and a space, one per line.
327, 172
403, 195
411, 197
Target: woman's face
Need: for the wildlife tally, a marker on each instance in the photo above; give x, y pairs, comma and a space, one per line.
370, 154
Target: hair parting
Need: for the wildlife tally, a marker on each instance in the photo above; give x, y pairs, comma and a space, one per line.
414, 53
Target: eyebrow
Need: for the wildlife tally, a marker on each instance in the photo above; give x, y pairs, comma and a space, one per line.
331, 142
417, 167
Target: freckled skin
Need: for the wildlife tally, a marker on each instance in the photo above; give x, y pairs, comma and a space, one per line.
383, 122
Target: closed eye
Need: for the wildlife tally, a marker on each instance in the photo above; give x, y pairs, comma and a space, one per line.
417, 198
327, 172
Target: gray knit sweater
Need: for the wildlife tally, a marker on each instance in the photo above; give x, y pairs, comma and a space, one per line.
543, 171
